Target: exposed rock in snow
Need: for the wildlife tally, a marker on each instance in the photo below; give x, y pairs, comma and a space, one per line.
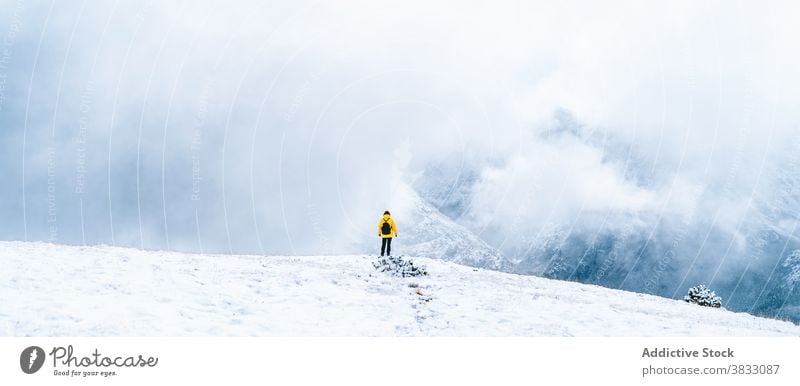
398, 266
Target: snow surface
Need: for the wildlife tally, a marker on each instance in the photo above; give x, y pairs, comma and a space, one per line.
53, 290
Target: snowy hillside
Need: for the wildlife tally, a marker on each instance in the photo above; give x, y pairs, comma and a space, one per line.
52, 290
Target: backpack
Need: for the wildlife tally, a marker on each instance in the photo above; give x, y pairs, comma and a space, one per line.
386, 228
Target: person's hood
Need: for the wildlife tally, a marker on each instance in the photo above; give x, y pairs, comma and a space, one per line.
386, 217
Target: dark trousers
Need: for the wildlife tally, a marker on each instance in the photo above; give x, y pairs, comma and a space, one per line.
387, 246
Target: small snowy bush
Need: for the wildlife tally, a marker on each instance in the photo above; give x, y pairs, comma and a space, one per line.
703, 296
396, 266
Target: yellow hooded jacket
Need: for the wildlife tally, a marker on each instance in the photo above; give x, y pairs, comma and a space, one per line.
388, 219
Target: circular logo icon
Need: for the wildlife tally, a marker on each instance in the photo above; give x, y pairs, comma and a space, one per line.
31, 359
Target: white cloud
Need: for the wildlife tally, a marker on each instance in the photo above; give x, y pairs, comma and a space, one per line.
309, 96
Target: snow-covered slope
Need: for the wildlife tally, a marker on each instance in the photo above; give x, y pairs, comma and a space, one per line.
52, 290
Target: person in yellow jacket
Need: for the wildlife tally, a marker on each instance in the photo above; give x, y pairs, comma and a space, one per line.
386, 230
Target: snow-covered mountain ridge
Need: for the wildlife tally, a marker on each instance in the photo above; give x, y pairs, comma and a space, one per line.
425, 231
55, 290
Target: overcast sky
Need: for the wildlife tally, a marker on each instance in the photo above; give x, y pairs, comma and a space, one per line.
278, 127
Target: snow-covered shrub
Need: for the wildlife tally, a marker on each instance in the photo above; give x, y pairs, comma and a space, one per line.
397, 266
703, 296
